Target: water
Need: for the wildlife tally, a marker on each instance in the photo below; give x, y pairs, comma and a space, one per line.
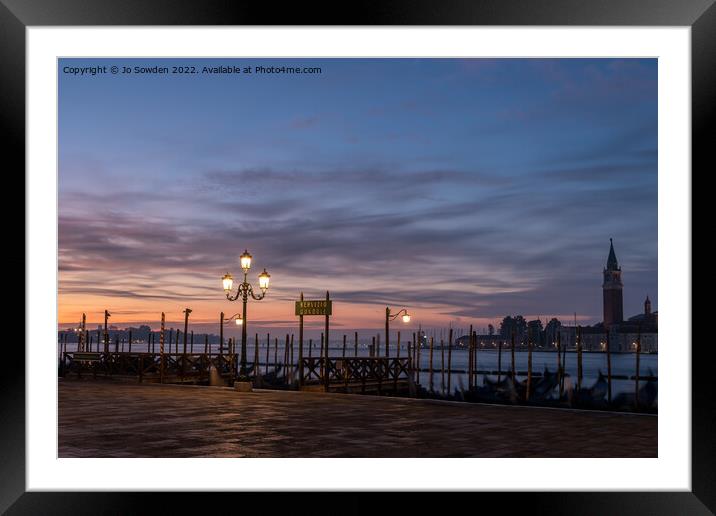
592, 363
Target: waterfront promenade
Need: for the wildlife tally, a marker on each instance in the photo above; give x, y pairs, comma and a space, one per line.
113, 419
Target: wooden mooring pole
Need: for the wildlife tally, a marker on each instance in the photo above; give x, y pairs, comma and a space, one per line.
470, 351
499, 360
609, 370
229, 354
300, 349
410, 356
221, 337
161, 351
285, 359
564, 366
442, 365
512, 352
292, 363
419, 345
579, 357
275, 355
560, 371
320, 358
449, 361
81, 343
106, 332
268, 347
474, 367
256, 371
187, 311
636, 378
327, 369
430, 365
529, 368
387, 332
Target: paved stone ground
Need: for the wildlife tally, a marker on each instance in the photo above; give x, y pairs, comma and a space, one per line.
108, 419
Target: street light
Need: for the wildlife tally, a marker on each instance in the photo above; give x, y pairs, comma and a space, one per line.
243, 292
392, 317
245, 260
237, 319
264, 280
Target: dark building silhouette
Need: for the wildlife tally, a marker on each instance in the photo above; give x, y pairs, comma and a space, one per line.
623, 334
648, 321
612, 290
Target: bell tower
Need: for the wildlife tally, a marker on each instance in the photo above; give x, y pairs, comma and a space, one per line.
612, 290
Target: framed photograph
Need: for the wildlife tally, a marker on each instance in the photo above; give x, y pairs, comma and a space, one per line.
425, 248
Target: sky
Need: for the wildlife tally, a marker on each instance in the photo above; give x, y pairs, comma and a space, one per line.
461, 189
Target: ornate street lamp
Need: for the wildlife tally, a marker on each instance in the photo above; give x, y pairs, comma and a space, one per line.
243, 292
392, 317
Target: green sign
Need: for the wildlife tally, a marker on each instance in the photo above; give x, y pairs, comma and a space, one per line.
321, 307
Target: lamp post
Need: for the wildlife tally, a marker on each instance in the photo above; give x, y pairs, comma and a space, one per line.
243, 292
392, 317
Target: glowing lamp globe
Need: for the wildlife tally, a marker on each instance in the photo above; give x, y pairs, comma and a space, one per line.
227, 281
406, 318
239, 321
245, 260
264, 280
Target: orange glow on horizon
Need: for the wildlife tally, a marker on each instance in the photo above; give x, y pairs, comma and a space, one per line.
268, 313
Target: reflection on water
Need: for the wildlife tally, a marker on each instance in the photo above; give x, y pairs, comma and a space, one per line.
623, 364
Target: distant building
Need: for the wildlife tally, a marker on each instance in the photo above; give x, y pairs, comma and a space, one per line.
648, 319
489, 341
623, 335
594, 338
612, 290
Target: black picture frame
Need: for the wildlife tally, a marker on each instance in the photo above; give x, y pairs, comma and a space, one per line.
700, 15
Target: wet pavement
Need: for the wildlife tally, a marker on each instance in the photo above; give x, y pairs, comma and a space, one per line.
112, 419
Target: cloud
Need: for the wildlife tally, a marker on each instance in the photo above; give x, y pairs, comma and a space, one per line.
489, 254
492, 187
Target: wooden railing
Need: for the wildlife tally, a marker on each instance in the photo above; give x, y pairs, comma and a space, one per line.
174, 366
195, 367
354, 370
